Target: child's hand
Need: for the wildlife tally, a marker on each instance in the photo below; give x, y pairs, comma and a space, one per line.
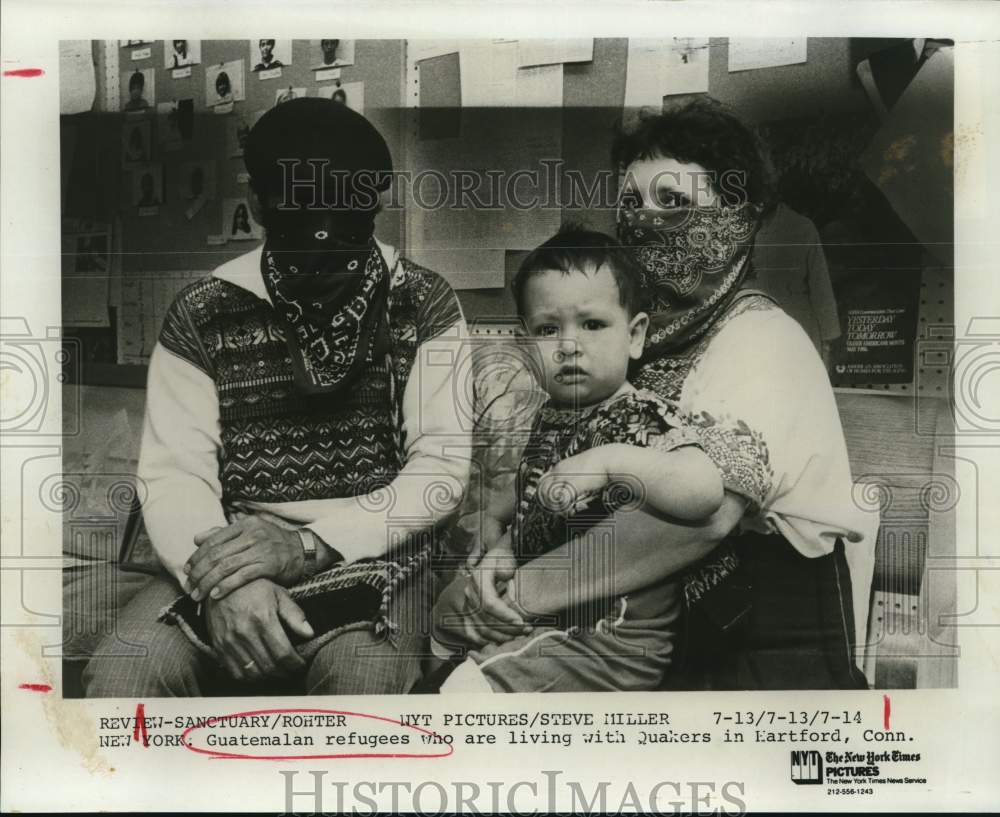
487, 581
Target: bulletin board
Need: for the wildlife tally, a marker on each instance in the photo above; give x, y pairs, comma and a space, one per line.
816, 111
158, 249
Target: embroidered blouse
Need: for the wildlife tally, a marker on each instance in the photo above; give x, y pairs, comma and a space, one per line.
757, 394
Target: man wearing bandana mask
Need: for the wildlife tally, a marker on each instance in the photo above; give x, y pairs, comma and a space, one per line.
748, 380
298, 417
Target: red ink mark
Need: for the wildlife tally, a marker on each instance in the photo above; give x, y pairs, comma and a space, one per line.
24, 72
140, 725
886, 710
36, 687
219, 753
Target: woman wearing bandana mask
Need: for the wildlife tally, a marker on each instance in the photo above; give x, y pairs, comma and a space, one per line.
298, 418
750, 382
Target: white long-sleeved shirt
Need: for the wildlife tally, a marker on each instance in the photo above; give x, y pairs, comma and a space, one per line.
181, 444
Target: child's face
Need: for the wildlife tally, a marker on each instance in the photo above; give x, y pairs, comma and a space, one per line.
585, 335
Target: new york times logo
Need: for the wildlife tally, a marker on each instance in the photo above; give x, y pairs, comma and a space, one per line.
807, 768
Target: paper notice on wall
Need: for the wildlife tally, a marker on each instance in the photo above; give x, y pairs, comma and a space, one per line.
488, 73
464, 236
748, 53
540, 87
417, 50
646, 73
553, 51
77, 83
687, 66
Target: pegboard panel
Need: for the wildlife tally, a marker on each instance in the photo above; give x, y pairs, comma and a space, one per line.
936, 328
112, 89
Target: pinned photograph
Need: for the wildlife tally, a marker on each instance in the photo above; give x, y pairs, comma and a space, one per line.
181, 53
136, 143
237, 129
175, 123
285, 94
132, 43
138, 89
351, 94
91, 254
197, 180
224, 83
333, 53
266, 55
147, 186
237, 223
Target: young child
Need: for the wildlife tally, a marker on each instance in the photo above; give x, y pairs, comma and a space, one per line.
580, 296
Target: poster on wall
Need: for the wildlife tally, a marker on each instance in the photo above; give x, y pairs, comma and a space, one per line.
197, 180
136, 143
237, 129
138, 90
238, 223
878, 318
332, 53
147, 188
287, 94
351, 94
181, 53
266, 55
175, 123
224, 83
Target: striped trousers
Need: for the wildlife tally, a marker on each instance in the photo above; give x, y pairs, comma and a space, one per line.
356, 662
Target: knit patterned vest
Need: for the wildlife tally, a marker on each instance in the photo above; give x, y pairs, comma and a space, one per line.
279, 445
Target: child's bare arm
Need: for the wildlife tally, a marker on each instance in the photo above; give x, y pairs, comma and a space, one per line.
682, 483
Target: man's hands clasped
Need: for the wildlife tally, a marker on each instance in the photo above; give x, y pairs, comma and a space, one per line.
240, 572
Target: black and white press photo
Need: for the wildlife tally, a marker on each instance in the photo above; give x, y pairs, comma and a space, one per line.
268, 54
331, 53
351, 94
197, 180
683, 357
181, 53
147, 185
224, 83
138, 89
136, 147
567, 409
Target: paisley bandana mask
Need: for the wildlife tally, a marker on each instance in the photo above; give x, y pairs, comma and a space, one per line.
694, 260
330, 286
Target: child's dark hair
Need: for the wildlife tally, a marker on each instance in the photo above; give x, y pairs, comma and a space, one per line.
575, 248
703, 132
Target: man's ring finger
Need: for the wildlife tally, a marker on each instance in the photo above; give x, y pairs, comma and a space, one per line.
249, 664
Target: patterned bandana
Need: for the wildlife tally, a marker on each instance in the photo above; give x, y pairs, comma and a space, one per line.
694, 260
331, 293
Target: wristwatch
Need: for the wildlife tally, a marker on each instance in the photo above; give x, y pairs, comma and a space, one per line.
308, 538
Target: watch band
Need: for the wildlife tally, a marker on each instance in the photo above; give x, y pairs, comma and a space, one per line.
308, 539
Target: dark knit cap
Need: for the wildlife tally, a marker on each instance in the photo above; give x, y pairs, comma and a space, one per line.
358, 167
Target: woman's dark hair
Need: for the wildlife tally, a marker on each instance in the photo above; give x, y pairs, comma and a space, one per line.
707, 133
575, 248
137, 80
